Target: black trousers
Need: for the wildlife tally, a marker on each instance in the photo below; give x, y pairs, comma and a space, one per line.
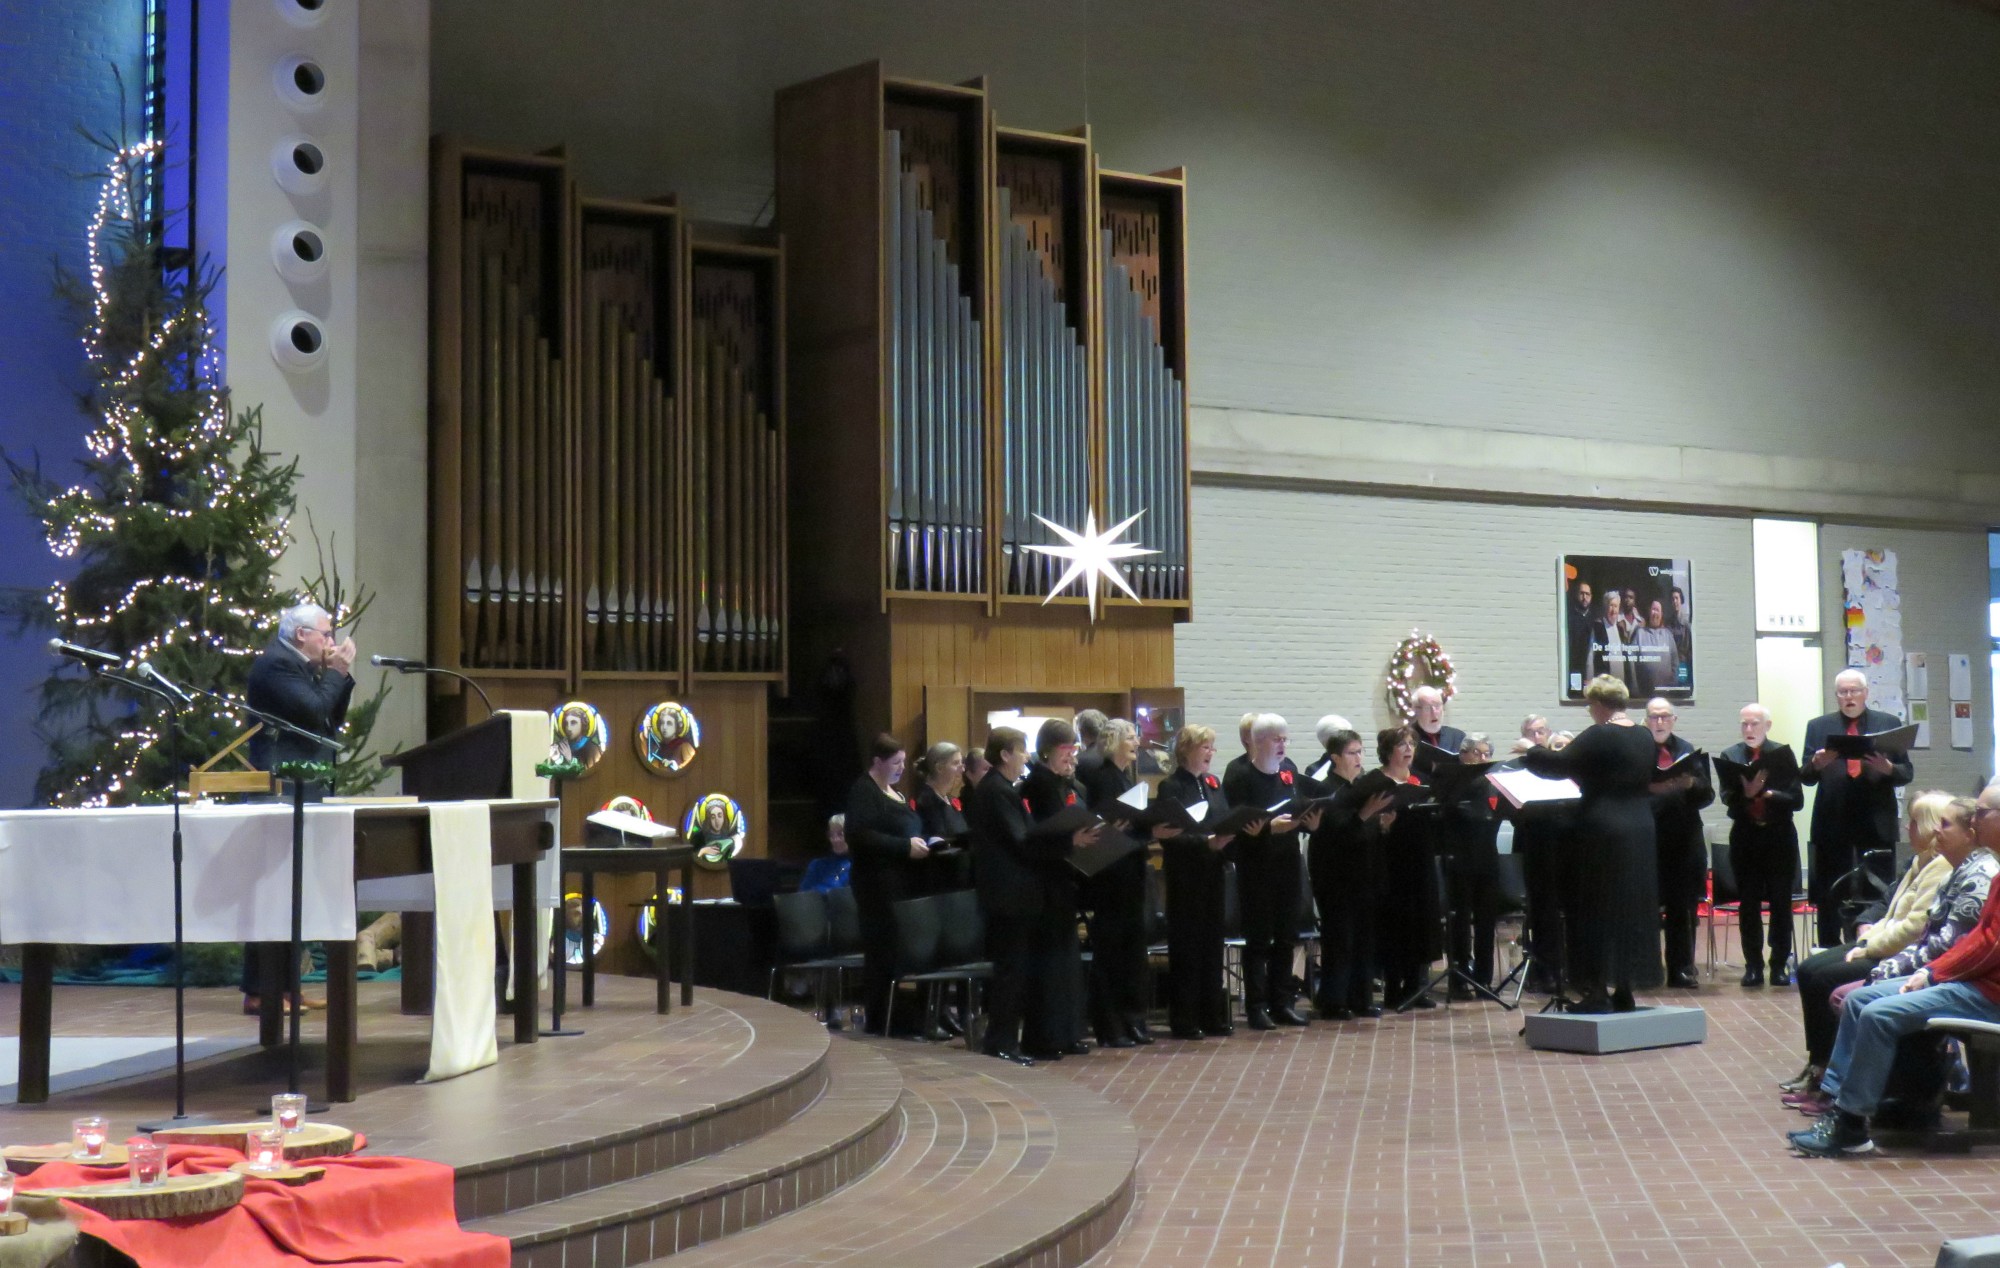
1681, 868
1539, 843
1765, 858
1820, 974
1267, 889
877, 890
1474, 882
1119, 972
1052, 1010
1347, 885
1196, 997
1410, 927
1011, 946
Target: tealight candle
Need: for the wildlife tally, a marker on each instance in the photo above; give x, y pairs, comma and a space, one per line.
6, 1190
146, 1160
288, 1110
267, 1149
87, 1136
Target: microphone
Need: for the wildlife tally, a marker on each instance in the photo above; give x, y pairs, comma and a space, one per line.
86, 655
165, 683
402, 663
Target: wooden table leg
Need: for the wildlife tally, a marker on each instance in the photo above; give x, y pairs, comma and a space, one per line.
38, 975
419, 960
527, 966
663, 995
588, 932
270, 977
687, 931
343, 1020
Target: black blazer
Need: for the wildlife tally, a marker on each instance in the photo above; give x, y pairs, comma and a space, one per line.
1011, 862
1677, 815
941, 818
1782, 799
283, 685
1850, 809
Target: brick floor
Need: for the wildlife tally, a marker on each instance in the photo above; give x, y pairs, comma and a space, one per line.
1441, 1139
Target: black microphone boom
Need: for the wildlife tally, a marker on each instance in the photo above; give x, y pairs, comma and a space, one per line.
403, 663
87, 655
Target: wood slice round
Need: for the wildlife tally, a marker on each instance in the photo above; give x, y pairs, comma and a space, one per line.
173, 1197
24, 1159
314, 1140
293, 1176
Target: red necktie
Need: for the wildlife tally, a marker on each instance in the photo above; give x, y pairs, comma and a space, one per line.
1757, 803
1854, 763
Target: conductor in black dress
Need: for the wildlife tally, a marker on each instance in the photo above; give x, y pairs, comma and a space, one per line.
1049, 789
1267, 876
1763, 843
1197, 1001
1615, 927
885, 836
1679, 841
306, 677
1855, 811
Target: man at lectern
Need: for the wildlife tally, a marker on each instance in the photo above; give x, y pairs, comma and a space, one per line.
306, 678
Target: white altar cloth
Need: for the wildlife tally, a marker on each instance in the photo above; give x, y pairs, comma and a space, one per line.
106, 876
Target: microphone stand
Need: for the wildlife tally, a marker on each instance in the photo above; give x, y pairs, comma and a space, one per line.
418, 667
297, 946
174, 706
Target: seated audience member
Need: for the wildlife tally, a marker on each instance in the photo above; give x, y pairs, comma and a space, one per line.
830, 871
1963, 982
1942, 841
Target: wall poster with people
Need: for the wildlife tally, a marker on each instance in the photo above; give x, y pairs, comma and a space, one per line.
1630, 618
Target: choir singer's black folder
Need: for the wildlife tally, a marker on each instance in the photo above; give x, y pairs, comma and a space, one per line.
1892, 743
1110, 847
1780, 766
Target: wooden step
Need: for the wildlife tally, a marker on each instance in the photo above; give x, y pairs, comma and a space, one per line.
833, 1141
994, 1166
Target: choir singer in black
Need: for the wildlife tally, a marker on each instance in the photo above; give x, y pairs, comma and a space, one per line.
1016, 868
1855, 811
1344, 858
1614, 927
1197, 1003
1120, 974
1267, 876
1760, 787
1050, 789
886, 838
1678, 841
941, 806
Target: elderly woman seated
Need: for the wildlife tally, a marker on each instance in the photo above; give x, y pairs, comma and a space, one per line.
1962, 982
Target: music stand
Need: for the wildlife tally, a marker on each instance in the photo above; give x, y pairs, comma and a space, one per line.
1452, 974
293, 983
181, 1118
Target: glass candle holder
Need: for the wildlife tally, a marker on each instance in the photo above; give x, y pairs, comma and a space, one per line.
146, 1161
6, 1190
288, 1111
87, 1136
267, 1148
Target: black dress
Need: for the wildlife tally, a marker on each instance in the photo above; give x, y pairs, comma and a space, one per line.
948, 867
1056, 1026
1410, 932
1267, 888
1615, 927
1344, 857
1024, 941
1119, 973
1197, 1000
879, 830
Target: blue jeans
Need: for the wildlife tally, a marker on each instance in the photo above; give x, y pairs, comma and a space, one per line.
1877, 1018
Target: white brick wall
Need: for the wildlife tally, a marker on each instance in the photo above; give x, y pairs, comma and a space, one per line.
1301, 597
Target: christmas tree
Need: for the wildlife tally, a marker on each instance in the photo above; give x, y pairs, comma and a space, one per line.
174, 530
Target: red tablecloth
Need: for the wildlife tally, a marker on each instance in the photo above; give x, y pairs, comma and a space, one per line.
365, 1213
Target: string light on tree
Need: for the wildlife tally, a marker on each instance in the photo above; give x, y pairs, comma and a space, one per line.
176, 528
1418, 661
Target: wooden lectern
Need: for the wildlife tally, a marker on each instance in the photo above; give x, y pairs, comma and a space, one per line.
475, 763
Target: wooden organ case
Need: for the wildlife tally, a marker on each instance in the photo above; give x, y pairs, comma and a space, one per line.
988, 336
608, 462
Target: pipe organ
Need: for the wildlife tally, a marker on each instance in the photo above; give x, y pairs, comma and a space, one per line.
988, 339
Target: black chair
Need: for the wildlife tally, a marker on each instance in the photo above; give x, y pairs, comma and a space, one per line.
1724, 898
805, 944
843, 917
940, 939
